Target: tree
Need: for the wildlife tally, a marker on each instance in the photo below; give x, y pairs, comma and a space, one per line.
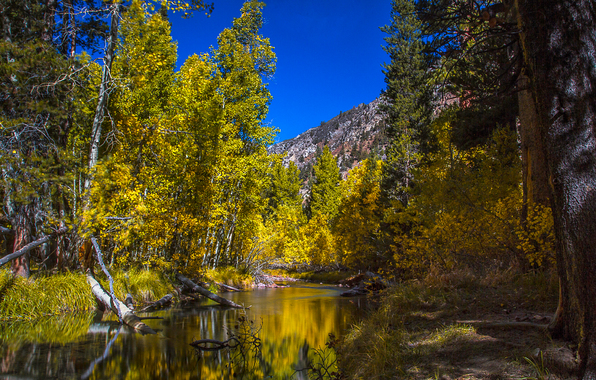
37, 84
556, 43
357, 228
325, 194
478, 48
408, 99
559, 43
284, 189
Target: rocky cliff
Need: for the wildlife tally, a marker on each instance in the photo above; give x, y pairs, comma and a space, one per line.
352, 136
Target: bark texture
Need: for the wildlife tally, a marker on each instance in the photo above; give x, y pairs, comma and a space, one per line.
118, 307
560, 43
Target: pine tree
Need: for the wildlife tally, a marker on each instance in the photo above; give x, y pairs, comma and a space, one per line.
407, 98
37, 85
284, 189
325, 194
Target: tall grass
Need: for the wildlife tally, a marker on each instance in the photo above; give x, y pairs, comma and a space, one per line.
229, 276
34, 298
39, 296
143, 285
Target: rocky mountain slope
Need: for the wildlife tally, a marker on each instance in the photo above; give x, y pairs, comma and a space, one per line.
352, 136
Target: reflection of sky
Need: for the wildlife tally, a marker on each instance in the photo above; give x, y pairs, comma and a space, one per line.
291, 320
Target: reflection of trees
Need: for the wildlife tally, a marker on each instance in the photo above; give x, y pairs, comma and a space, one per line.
291, 324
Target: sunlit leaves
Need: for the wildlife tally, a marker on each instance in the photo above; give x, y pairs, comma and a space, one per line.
357, 228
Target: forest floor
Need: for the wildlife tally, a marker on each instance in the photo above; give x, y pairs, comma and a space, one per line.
468, 330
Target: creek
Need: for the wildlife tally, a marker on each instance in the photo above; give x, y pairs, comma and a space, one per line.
290, 323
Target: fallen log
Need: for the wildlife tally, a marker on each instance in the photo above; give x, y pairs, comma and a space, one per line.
204, 292
118, 307
30, 246
227, 287
162, 302
129, 302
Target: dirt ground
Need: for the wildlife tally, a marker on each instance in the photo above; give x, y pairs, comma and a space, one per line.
487, 332
460, 326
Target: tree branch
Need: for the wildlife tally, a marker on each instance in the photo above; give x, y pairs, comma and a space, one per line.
31, 245
6, 231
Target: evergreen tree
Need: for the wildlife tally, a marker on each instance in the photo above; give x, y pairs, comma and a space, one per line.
407, 98
325, 194
284, 189
37, 86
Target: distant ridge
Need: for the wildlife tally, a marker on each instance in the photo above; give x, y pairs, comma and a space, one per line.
352, 137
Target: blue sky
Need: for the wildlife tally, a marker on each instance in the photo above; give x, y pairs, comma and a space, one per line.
329, 54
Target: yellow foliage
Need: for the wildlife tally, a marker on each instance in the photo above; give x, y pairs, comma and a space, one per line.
466, 210
318, 241
536, 238
357, 227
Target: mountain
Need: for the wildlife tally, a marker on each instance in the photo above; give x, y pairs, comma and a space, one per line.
352, 136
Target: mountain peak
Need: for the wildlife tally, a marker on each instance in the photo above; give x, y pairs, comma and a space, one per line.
352, 136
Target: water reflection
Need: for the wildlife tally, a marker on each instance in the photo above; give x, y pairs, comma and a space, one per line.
291, 321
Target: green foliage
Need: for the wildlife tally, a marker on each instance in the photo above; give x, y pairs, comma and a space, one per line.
325, 192
466, 206
284, 189
408, 95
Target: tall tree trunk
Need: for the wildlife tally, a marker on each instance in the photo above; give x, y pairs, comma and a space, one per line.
535, 170
560, 44
103, 91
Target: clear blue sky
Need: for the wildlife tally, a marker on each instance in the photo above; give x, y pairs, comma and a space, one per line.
329, 54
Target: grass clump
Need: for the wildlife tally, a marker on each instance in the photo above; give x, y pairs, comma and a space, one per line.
41, 295
144, 285
229, 276
33, 298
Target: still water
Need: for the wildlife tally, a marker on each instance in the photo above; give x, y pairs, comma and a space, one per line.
290, 323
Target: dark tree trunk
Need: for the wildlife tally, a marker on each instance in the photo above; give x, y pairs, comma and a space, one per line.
22, 227
560, 42
535, 169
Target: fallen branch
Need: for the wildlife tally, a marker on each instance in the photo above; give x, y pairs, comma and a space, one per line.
212, 344
227, 287
118, 307
204, 292
109, 276
31, 245
162, 302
